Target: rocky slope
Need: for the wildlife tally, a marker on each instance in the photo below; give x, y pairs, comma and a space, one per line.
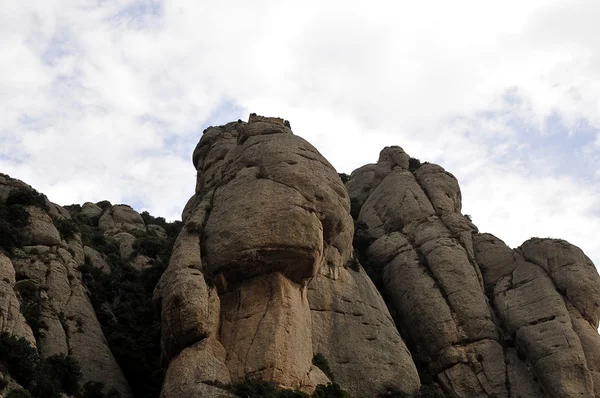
281, 272
71, 288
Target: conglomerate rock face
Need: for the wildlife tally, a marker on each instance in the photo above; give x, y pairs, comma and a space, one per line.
261, 277
279, 264
484, 320
44, 271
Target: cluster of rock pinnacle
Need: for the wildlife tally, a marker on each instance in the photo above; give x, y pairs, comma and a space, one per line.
269, 271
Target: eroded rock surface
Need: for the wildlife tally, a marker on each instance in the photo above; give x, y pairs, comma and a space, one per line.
486, 320
11, 318
410, 235
270, 229
267, 275
556, 331
45, 272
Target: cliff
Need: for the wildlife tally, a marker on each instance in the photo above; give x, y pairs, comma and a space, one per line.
280, 271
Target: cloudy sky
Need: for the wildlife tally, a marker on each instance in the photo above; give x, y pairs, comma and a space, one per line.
103, 99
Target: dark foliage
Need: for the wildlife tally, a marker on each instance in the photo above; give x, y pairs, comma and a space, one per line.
413, 164
131, 327
82, 220
67, 228
55, 375
19, 357
149, 219
171, 228
27, 197
31, 304
43, 378
123, 304
13, 219
344, 177
331, 390
95, 389
150, 246
64, 370
321, 362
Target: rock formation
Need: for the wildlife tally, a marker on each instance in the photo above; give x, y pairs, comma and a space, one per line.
282, 273
486, 321
260, 278
44, 273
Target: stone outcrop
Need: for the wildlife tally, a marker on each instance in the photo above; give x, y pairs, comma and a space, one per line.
411, 233
546, 294
11, 318
45, 272
485, 320
120, 218
280, 267
261, 269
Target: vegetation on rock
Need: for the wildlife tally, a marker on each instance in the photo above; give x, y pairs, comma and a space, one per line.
42, 378
13, 218
122, 301
31, 304
321, 362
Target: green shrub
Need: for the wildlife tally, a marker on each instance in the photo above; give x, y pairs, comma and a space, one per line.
344, 177
331, 390
131, 327
8, 238
67, 228
149, 219
95, 389
123, 304
321, 362
43, 378
17, 216
13, 219
413, 164
19, 357
27, 197
150, 246
65, 370
31, 304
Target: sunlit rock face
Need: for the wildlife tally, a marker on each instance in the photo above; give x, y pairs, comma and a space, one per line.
259, 279
485, 320
280, 269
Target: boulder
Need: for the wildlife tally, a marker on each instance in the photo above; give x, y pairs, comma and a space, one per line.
91, 210
41, 230
96, 260
123, 218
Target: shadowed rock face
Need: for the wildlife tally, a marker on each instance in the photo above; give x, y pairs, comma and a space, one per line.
260, 271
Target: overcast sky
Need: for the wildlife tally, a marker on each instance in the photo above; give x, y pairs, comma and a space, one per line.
107, 99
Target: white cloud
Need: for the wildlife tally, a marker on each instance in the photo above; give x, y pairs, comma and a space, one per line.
107, 99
